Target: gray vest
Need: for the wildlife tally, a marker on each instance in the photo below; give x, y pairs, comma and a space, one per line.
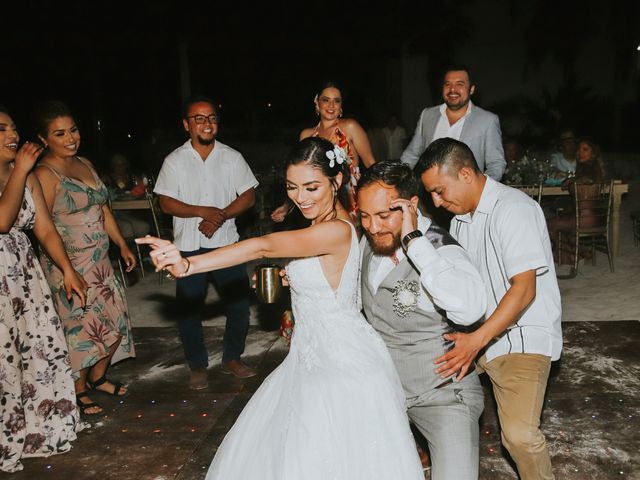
414, 340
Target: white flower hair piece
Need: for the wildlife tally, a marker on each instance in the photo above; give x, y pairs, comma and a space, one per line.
337, 155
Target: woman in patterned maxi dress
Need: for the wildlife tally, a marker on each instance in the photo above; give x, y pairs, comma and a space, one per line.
99, 334
38, 415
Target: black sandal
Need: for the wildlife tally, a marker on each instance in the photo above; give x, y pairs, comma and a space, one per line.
84, 406
96, 383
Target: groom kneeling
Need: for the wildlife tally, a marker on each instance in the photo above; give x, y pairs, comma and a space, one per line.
413, 300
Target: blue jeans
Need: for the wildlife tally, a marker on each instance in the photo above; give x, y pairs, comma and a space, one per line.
232, 285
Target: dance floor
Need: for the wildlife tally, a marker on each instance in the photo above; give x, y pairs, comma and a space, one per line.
164, 431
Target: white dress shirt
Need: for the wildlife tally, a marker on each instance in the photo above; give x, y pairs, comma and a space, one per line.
448, 278
444, 130
507, 235
214, 182
561, 163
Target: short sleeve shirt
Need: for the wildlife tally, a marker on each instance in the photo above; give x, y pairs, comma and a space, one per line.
215, 182
507, 235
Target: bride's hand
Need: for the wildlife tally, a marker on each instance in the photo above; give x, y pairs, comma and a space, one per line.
164, 255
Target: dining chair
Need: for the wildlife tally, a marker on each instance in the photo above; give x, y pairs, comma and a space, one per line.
113, 253
592, 207
533, 191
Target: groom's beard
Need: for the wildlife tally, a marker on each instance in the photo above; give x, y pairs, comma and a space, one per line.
385, 243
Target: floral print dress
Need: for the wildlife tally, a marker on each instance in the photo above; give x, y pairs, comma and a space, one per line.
340, 139
37, 399
90, 331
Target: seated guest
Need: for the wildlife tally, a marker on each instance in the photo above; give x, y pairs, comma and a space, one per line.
564, 160
38, 415
589, 170
513, 154
121, 182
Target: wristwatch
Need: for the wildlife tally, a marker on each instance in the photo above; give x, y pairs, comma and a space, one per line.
410, 236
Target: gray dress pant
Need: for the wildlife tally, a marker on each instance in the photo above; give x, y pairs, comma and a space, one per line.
448, 419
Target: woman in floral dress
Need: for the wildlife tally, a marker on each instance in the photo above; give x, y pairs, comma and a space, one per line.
343, 132
38, 415
99, 334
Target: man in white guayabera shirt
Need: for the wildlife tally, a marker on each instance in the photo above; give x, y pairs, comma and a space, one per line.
417, 284
205, 185
505, 233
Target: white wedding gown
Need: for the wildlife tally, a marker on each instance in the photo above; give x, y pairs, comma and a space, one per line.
334, 409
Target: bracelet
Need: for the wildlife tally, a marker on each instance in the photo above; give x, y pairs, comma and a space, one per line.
186, 270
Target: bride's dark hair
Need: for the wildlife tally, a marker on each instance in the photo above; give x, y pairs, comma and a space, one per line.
313, 151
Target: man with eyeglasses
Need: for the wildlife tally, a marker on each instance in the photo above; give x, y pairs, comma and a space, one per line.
205, 185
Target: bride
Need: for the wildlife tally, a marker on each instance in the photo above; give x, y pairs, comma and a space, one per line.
334, 408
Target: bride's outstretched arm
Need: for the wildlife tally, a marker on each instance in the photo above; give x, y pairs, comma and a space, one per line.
326, 238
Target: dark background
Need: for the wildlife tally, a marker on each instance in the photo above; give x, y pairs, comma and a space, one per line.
127, 66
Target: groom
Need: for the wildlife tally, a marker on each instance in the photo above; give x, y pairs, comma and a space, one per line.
417, 285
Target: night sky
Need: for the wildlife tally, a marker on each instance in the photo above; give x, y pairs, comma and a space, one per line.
119, 63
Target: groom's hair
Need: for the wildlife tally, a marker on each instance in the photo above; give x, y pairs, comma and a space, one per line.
394, 174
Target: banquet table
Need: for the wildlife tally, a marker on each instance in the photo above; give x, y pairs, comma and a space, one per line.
145, 203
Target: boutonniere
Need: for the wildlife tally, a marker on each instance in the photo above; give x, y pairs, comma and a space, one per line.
405, 297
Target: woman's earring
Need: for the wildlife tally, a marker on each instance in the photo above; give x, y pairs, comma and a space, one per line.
317, 111
340, 114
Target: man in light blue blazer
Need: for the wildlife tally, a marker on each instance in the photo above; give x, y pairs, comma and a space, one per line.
462, 120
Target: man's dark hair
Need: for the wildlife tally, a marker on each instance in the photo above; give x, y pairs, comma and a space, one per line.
458, 67
448, 155
394, 174
198, 98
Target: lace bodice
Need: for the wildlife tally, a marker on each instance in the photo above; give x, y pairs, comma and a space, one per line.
311, 291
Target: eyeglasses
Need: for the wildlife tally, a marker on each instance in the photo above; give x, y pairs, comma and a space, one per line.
200, 119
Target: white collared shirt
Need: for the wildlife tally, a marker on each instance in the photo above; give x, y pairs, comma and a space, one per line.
507, 235
444, 130
215, 182
448, 278
562, 164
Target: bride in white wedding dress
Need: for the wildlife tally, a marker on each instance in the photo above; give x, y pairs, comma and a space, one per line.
334, 409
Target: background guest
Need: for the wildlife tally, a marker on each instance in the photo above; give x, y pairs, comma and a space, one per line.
205, 184
347, 134
99, 334
513, 154
38, 416
590, 169
459, 118
122, 183
564, 160
396, 139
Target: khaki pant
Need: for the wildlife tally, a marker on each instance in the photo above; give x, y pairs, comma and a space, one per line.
519, 382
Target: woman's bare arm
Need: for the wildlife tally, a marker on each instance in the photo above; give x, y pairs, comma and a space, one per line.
326, 238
